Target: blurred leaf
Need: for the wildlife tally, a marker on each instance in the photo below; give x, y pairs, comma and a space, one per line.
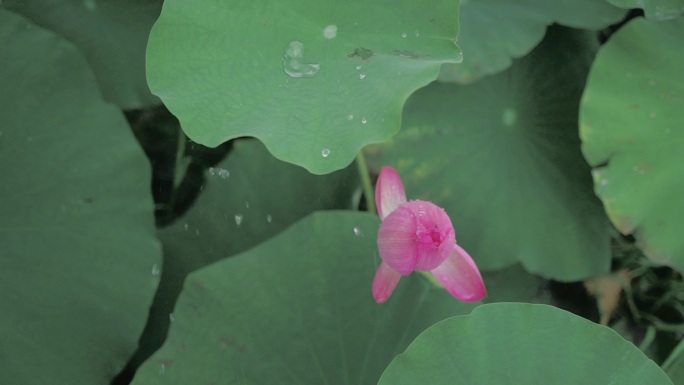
674, 365
632, 127
358, 63
521, 344
76, 226
502, 156
296, 309
493, 32
112, 34
654, 9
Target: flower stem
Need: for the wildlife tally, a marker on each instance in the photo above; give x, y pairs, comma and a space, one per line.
366, 181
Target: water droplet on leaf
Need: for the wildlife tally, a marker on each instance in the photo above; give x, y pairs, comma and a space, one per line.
325, 152
357, 231
269, 219
403, 34
330, 31
362, 76
293, 62
364, 121
238, 219
155, 270
350, 117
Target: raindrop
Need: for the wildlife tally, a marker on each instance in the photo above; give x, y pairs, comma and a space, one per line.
357, 231
416, 33
350, 117
325, 153
403, 34
330, 31
162, 369
238, 219
211, 171
362, 76
358, 67
364, 121
293, 64
171, 318
155, 270
223, 173
269, 218
185, 226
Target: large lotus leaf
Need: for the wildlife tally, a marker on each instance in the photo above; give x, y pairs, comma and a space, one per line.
248, 198
521, 344
299, 309
632, 127
654, 9
315, 80
493, 32
112, 34
502, 156
76, 226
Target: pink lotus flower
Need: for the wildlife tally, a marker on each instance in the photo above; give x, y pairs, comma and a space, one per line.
418, 235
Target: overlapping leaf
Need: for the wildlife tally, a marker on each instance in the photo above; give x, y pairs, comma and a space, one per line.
654, 9
502, 156
494, 32
632, 126
317, 81
248, 198
522, 344
112, 34
76, 227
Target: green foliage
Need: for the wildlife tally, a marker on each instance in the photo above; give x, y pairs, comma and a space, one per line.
357, 67
111, 34
258, 285
77, 245
497, 344
502, 156
632, 127
493, 32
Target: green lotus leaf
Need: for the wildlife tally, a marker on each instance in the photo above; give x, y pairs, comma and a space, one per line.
317, 81
247, 198
112, 34
654, 9
502, 156
522, 344
632, 128
494, 32
76, 226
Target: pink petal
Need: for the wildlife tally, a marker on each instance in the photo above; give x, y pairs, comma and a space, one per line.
460, 277
389, 191
417, 235
384, 283
397, 240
